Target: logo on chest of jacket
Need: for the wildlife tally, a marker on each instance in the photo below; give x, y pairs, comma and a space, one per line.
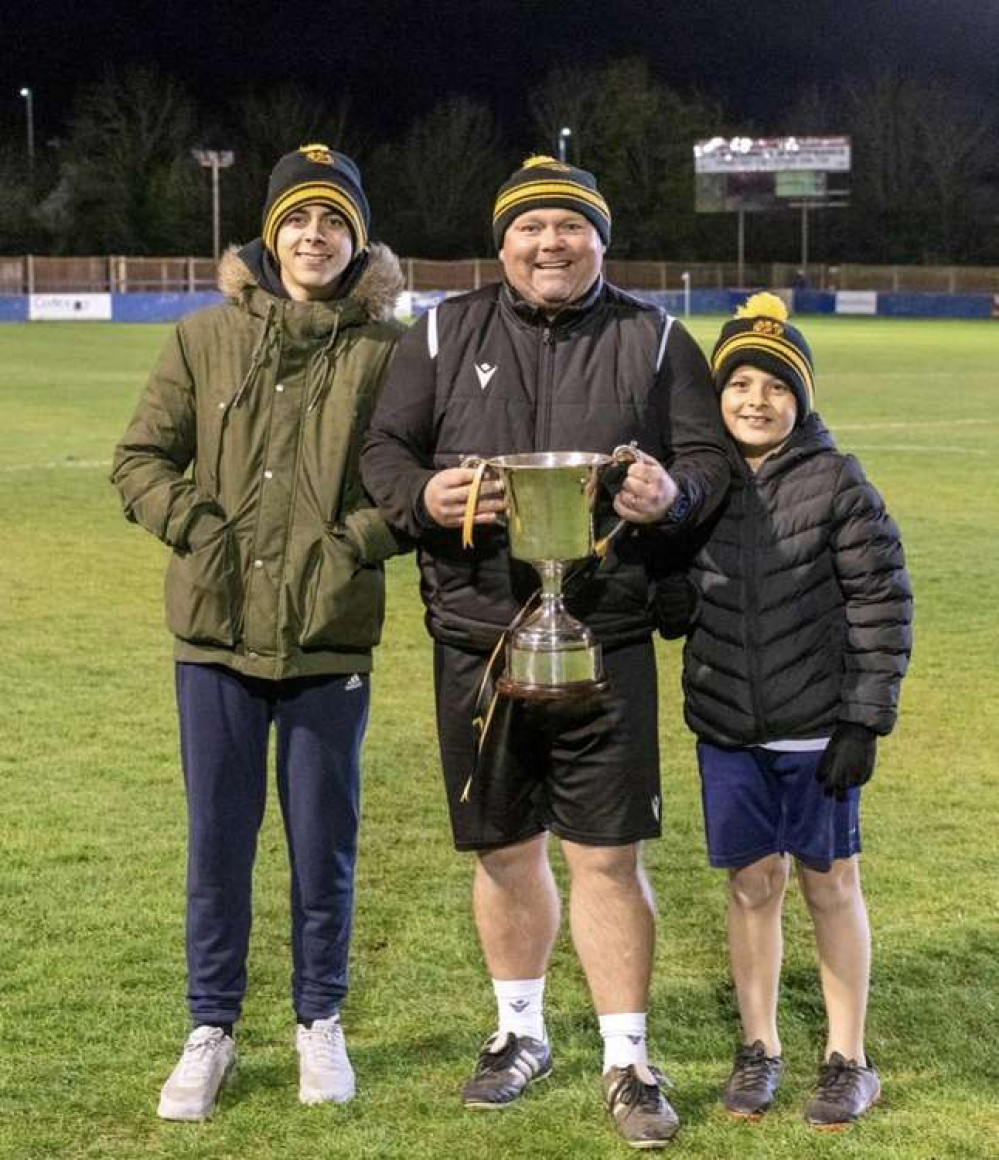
485, 372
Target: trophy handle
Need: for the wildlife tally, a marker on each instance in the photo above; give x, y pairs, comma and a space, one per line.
623, 453
626, 452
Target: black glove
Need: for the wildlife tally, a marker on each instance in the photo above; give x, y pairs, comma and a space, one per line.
848, 759
674, 604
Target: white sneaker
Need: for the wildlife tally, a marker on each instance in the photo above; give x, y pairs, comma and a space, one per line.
207, 1061
325, 1073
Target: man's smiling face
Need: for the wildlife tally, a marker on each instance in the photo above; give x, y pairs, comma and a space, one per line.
551, 257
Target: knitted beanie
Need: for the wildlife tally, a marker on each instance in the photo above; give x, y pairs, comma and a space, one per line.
760, 336
316, 173
544, 183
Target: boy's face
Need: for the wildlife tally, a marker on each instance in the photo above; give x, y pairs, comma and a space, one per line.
314, 246
758, 411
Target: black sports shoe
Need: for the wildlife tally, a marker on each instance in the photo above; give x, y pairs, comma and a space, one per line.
845, 1091
755, 1077
642, 1114
507, 1064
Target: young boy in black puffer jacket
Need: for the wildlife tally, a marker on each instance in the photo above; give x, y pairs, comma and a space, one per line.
797, 610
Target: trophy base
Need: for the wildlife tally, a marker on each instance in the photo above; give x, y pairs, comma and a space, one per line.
517, 691
569, 670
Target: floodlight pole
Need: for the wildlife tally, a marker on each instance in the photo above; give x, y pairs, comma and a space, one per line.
741, 249
804, 237
563, 139
214, 159
29, 110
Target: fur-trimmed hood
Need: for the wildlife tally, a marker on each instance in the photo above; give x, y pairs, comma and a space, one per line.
377, 288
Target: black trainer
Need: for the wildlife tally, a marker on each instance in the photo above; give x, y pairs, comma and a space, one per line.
845, 1091
507, 1064
642, 1113
754, 1081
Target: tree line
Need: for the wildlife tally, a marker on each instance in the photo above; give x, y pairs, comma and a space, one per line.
924, 185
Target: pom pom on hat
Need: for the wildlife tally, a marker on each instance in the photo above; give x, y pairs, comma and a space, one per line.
760, 335
763, 305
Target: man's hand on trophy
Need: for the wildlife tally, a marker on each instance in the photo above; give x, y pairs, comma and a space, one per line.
647, 493
446, 496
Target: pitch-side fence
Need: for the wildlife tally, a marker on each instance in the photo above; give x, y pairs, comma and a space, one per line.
35, 274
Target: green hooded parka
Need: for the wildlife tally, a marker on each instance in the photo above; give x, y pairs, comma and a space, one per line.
242, 456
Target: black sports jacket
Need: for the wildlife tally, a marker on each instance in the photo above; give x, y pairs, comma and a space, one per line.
804, 607
486, 374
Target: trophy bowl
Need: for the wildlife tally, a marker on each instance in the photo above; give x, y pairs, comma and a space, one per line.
550, 655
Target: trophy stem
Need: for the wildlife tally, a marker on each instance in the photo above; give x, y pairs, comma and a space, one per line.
552, 656
552, 572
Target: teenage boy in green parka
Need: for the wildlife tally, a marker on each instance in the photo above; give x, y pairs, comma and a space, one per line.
242, 458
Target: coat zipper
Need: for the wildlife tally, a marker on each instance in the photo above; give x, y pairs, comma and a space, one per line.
546, 391
750, 545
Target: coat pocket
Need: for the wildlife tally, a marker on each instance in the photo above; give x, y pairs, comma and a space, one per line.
344, 599
204, 593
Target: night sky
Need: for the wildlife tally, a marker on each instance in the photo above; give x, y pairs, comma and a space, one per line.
395, 59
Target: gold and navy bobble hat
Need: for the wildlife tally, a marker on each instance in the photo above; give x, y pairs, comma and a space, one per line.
760, 336
544, 183
316, 173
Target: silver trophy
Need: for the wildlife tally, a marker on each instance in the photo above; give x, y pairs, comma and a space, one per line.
549, 509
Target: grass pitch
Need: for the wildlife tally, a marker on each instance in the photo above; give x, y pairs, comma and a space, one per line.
92, 834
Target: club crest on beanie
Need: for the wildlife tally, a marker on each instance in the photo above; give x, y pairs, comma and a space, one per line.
759, 335
544, 183
316, 173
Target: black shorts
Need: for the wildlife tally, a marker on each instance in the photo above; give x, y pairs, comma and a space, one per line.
587, 771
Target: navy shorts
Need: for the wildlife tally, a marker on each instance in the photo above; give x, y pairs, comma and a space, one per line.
587, 771
759, 802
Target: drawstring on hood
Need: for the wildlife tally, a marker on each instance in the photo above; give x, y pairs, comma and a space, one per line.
267, 334
321, 389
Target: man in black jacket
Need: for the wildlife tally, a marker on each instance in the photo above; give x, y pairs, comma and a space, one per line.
553, 359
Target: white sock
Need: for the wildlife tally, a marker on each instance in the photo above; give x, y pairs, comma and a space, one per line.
521, 1006
624, 1039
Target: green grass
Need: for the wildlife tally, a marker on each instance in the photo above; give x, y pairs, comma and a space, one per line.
92, 834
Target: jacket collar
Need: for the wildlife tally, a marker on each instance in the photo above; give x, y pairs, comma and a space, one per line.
567, 317
807, 439
372, 283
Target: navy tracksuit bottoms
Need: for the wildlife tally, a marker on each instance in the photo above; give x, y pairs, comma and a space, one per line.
225, 724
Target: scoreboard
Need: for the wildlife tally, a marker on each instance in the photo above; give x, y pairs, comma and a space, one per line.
735, 174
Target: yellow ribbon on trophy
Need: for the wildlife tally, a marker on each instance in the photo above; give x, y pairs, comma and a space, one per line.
468, 520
